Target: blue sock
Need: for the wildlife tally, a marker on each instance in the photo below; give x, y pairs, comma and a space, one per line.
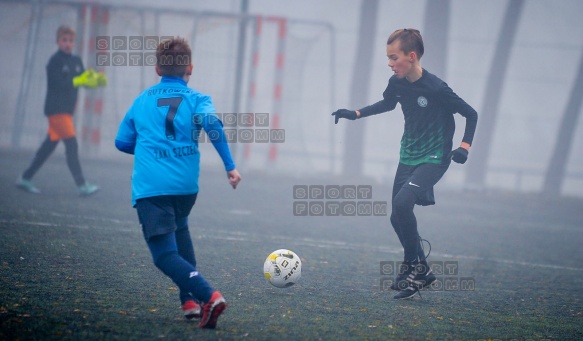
185, 250
184, 241
165, 255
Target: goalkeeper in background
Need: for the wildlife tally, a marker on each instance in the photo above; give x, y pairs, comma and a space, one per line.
65, 73
428, 105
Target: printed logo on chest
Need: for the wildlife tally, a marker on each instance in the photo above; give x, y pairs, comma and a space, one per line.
422, 101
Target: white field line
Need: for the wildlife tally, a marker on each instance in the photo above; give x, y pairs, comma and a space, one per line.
205, 233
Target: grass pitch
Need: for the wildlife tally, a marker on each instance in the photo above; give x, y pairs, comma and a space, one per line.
78, 268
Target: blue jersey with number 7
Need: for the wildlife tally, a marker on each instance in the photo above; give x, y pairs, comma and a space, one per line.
162, 129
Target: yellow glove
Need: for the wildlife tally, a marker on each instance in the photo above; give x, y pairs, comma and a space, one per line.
101, 79
87, 79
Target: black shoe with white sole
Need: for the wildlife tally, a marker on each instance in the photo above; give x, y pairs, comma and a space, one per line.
419, 278
400, 282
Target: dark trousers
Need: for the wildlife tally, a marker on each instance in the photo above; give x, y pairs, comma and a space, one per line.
47, 148
413, 185
168, 214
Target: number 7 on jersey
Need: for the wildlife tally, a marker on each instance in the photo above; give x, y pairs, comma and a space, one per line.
173, 103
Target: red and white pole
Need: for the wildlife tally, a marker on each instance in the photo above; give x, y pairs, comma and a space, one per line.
91, 130
253, 76
278, 81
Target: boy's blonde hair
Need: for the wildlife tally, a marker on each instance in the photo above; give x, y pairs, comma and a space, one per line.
64, 30
173, 57
410, 41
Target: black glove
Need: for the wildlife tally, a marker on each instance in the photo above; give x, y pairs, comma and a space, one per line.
344, 113
459, 155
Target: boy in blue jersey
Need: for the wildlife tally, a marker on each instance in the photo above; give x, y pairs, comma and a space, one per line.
161, 129
428, 106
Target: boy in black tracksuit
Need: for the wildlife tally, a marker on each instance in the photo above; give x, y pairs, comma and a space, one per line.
65, 73
428, 106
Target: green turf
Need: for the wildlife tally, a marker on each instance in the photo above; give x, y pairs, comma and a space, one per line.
78, 268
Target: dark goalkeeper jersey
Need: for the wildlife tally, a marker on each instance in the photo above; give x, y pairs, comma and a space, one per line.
61, 94
428, 106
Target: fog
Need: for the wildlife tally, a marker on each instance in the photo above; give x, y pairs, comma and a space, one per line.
320, 49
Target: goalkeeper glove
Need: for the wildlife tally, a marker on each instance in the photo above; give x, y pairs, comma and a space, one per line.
459, 155
87, 79
101, 79
344, 113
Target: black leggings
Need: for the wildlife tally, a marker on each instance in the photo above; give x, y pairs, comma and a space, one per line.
47, 148
413, 185
405, 224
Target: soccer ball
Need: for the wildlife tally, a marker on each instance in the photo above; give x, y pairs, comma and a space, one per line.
282, 268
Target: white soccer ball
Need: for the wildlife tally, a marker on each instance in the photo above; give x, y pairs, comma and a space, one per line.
282, 268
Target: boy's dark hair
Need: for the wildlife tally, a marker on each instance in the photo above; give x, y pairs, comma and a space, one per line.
410, 40
173, 57
63, 30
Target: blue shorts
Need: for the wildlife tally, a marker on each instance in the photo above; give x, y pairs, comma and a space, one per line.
158, 215
420, 179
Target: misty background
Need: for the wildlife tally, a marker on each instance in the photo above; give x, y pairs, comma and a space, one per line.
519, 63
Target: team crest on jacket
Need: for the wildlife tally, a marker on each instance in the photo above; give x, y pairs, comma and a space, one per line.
422, 101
